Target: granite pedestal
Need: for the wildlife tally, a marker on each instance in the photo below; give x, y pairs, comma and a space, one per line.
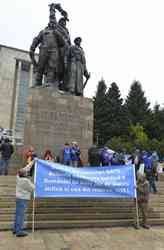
53, 118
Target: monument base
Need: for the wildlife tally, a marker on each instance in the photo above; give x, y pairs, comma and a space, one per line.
53, 119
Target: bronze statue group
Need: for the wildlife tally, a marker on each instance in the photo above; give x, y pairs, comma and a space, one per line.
61, 64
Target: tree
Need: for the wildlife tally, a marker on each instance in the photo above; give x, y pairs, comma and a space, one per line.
114, 119
155, 127
137, 106
99, 103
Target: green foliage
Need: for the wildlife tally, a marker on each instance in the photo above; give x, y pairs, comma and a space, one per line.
138, 135
155, 126
120, 143
136, 105
99, 104
114, 120
127, 125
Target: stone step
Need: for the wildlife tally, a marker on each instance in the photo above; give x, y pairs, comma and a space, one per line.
82, 211
69, 224
82, 216
74, 203
61, 224
41, 210
53, 203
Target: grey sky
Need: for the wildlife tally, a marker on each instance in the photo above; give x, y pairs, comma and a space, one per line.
122, 40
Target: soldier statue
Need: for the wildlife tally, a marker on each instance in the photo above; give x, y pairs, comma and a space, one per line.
76, 69
49, 40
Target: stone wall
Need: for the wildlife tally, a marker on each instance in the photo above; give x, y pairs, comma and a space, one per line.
8, 83
53, 119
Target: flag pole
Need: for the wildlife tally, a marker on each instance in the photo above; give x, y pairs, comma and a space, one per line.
33, 205
33, 215
136, 200
137, 214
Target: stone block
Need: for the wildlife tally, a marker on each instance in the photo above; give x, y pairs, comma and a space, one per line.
53, 119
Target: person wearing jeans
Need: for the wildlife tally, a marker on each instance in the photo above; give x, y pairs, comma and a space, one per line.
4, 166
21, 205
24, 188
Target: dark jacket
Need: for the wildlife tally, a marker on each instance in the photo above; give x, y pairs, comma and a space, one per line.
94, 156
6, 150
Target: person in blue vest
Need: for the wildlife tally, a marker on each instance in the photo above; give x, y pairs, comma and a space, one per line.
105, 157
66, 154
150, 171
155, 163
75, 154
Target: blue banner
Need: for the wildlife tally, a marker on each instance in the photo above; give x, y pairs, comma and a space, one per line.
57, 180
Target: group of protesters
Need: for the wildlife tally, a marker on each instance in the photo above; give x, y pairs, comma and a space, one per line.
143, 161
145, 165
69, 155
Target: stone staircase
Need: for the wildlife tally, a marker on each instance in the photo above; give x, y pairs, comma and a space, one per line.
76, 212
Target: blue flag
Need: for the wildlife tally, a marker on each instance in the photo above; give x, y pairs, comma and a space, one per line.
57, 180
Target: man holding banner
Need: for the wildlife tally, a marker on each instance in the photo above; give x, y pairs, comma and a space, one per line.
24, 188
143, 199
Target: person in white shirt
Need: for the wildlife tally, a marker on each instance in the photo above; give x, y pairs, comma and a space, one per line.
24, 189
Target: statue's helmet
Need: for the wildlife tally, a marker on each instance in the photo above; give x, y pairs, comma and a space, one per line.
62, 20
78, 39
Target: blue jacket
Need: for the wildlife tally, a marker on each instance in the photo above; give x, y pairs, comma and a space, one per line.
75, 153
66, 154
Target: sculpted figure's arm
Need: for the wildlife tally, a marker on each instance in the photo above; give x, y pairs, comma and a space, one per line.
86, 74
36, 41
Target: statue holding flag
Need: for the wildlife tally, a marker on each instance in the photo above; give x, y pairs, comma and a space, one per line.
61, 64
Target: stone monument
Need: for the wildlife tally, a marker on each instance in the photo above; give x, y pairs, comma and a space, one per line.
62, 64
57, 112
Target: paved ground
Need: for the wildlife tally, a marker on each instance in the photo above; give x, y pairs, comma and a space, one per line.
86, 239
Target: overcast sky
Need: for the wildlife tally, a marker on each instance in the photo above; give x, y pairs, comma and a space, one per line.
123, 39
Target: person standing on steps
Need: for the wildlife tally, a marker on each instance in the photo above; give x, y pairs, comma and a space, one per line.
142, 199
24, 189
6, 149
